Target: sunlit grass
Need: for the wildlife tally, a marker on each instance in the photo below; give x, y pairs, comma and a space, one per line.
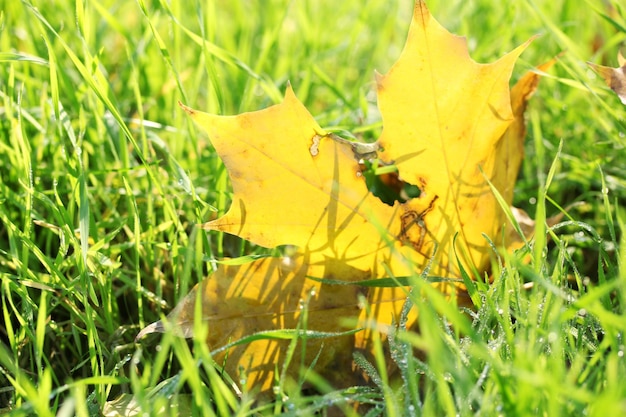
103, 179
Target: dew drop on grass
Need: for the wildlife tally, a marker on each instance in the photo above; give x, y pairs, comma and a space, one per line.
402, 363
243, 377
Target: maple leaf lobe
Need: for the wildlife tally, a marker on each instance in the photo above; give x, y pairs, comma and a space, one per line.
443, 114
293, 182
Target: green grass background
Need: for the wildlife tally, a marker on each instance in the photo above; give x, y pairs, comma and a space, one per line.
103, 180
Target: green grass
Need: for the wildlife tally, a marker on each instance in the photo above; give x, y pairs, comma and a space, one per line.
103, 180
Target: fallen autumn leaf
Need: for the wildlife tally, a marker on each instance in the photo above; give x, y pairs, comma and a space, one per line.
449, 127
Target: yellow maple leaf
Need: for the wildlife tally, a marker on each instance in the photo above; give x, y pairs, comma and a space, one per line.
445, 118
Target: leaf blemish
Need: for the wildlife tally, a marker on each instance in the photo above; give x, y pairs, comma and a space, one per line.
314, 149
412, 218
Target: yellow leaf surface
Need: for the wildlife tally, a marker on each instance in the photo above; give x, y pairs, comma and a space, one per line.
445, 118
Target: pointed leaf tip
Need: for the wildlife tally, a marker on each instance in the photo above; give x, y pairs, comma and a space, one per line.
289, 93
187, 109
615, 78
156, 327
421, 11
